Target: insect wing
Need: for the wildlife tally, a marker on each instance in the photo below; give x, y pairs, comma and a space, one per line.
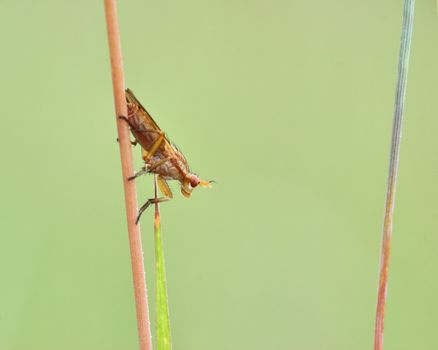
144, 123
130, 98
154, 142
146, 130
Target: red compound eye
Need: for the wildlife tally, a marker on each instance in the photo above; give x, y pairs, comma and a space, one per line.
194, 181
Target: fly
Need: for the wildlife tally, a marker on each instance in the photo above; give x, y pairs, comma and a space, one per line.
160, 156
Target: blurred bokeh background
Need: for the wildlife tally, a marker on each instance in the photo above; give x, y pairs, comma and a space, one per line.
287, 105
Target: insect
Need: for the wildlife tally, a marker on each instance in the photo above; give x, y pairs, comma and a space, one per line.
160, 156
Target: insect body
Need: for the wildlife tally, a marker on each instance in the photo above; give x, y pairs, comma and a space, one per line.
160, 156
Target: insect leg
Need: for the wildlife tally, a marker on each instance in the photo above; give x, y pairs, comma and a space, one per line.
143, 171
132, 109
134, 143
148, 203
148, 168
164, 187
157, 164
124, 118
154, 148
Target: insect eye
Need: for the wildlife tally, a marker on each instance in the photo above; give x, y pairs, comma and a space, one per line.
194, 181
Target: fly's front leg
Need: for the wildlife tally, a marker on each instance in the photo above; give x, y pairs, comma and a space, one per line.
148, 203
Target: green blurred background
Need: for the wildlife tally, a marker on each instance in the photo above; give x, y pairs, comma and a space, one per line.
287, 105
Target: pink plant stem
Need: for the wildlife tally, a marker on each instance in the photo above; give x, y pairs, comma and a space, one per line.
138, 274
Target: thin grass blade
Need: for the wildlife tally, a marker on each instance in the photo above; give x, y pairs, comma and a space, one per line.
162, 307
405, 46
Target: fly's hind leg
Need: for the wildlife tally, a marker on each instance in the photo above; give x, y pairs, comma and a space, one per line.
132, 109
148, 154
148, 203
134, 143
126, 119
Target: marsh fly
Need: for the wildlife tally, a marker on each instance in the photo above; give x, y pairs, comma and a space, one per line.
160, 156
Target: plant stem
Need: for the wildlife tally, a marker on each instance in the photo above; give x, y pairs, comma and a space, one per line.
405, 45
162, 312
140, 291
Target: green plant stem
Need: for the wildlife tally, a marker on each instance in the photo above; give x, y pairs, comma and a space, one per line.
138, 275
405, 45
162, 307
